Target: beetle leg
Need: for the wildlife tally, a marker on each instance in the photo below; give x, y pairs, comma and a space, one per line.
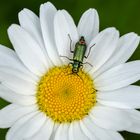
70, 43
88, 64
89, 51
66, 57
81, 66
94, 90
70, 63
80, 77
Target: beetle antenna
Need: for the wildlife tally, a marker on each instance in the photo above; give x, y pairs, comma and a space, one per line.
70, 44
89, 51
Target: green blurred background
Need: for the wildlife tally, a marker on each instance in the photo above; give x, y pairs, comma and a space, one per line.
122, 14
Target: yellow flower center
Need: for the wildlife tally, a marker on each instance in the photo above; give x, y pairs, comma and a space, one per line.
64, 96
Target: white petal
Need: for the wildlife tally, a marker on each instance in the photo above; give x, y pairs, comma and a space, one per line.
110, 118
26, 126
135, 127
75, 131
11, 113
47, 12
13, 97
17, 81
87, 132
88, 25
10, 59
100, 133
115, 136
62, 132
64, 27
70, 132
56, 125
30, 22
126, 46
119, 76
19, 73
45, 132
105, 44
128, 97
28, 50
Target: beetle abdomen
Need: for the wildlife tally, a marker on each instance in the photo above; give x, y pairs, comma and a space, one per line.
79, 52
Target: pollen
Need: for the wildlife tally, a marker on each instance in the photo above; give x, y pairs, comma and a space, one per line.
64, 96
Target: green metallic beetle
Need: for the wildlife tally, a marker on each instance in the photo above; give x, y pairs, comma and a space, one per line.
79, 55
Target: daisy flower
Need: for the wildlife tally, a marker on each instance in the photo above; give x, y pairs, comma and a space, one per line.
53, 95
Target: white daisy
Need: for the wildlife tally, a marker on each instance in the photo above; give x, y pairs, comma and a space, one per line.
48, 100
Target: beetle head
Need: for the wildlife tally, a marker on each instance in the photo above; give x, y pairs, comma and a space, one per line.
82, 41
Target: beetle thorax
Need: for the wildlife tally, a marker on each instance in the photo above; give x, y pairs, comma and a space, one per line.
76, 66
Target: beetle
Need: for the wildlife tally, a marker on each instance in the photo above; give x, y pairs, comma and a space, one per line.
78, 54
